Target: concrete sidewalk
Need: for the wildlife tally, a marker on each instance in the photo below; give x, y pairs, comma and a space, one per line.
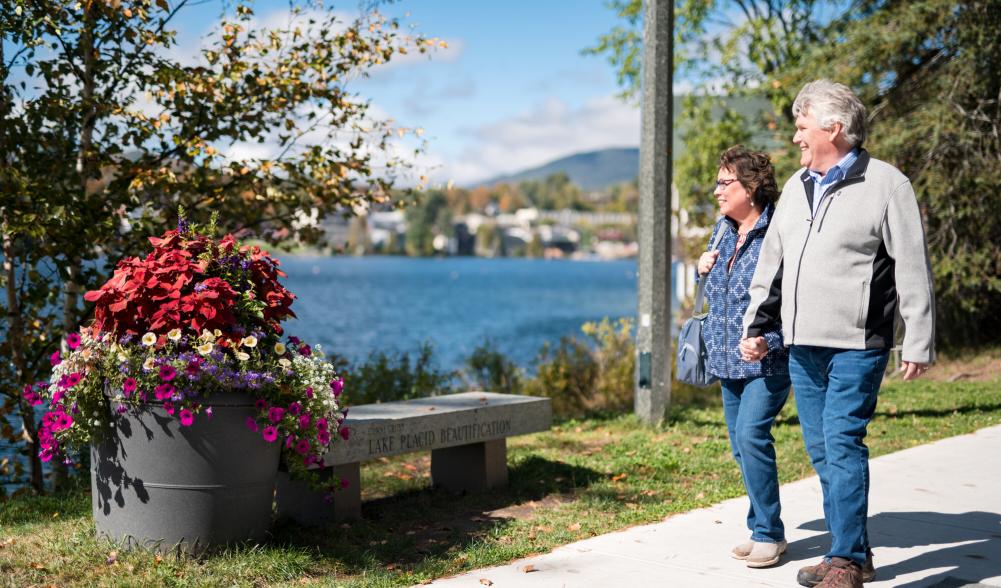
934, 520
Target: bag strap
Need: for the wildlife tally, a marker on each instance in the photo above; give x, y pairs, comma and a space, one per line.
700, 292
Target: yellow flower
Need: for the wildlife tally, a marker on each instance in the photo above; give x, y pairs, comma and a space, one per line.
279, 348
217, 333
205, 348
174, 335
148, 364
149, 339
242, 356
249, 341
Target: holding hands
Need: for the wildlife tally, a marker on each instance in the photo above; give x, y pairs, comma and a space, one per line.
707, 261
753, 348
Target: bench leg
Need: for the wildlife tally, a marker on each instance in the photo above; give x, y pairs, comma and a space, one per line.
297, 501
473, 467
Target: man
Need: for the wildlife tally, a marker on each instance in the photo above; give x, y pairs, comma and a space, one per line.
845, 249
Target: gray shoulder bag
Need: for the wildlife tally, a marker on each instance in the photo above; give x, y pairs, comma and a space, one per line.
692, 354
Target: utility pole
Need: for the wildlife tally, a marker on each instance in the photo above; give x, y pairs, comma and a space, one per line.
653, 333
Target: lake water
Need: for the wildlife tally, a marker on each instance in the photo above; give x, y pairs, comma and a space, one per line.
354, 306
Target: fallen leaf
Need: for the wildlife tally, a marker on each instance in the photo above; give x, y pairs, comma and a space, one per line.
619, 477
37, 566
574, 527
529, 569
410, 467
486, 582
157, 559
700, 496
648, 492
112, 558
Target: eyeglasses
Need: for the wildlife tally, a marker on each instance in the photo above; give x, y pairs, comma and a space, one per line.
724, 183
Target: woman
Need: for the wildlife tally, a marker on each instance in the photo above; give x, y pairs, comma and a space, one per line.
753, 392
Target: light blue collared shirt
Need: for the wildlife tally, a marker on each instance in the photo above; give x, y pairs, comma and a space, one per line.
837, 172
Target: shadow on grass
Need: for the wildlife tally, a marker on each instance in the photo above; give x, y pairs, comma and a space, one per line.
69, 504
422, 524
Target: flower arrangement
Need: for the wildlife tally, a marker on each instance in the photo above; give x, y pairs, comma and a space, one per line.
196, 317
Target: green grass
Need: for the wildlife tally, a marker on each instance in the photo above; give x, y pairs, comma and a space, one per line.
580, 479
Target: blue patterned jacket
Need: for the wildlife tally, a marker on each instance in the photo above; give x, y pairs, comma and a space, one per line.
728, 296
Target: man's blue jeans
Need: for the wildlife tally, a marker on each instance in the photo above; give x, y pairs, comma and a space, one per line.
750, 406
836, 392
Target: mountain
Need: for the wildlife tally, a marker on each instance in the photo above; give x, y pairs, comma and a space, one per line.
593, 170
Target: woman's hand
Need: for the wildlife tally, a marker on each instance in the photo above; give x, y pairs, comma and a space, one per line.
753, 348
707, 261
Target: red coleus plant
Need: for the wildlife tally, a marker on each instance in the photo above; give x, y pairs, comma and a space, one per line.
190, 281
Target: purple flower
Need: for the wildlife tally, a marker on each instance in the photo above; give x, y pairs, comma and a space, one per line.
252, 424
305, 351
304, 421
294, 408
321, 424
182, 226
309, 392
121, 409
187, 417
167, 372
73, 340
270, 434
193, 368
302, 447
275, 414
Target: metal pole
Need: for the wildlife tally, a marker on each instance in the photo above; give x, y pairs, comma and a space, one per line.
653, 333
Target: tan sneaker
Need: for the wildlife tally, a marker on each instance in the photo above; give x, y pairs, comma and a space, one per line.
743, 550
765, 554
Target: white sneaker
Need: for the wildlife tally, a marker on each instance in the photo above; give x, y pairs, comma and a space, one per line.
763, 555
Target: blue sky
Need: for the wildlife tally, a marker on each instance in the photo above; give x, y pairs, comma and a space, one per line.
511, 91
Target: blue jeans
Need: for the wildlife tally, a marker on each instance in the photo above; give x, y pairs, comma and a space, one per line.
836, 392
750, 406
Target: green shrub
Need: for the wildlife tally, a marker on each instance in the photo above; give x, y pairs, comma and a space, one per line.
567, 375
385, 377
488, 369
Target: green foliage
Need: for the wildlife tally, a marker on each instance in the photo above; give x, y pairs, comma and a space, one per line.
385, 377
927, 71
428, 217
104, 132
489, 369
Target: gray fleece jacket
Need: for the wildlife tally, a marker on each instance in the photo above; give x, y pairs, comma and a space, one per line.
835, 280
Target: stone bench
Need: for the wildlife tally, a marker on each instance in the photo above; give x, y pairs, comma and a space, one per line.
466, 434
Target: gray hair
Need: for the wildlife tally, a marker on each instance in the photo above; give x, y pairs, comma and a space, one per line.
831, 102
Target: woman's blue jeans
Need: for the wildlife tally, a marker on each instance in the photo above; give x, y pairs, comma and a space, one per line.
750, 406
836, 392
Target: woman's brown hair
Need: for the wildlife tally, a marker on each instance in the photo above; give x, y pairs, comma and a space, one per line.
754, 171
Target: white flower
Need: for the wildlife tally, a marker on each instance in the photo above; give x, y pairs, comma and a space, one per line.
284, 362
249, 341
174, 335
217, 333
242, 356
205, 348
149, 339
148, 364
206, 335
280, 349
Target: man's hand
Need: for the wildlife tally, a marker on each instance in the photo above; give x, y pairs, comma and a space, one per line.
753, 348
707, 261
913, 370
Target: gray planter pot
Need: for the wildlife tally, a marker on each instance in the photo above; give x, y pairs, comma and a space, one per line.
158, 485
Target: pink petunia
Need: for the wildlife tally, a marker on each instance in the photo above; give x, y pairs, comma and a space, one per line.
305, 351
321, 424
45, 454
163, 391
252, 424
208, 412
345, 483
345, 433
55, 360
323, 437
337, 386
304, 421
129, 386
73, 379
302, 447
260, 404
63, 421
167, 372
275, 414
309, 392
187, 417
193, 368
270, 433
57, 396
169, 407
294, 408
73, 340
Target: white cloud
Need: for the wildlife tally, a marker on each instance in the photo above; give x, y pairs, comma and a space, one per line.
551, 130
